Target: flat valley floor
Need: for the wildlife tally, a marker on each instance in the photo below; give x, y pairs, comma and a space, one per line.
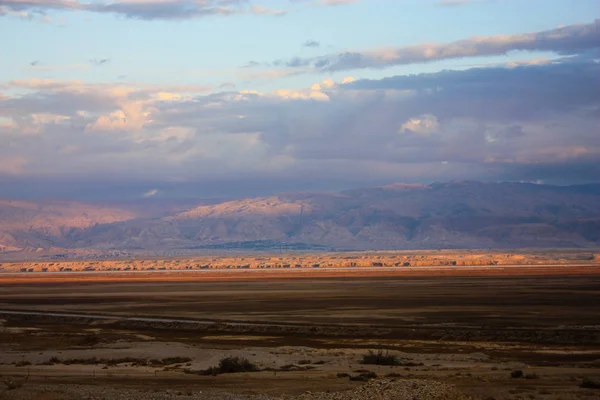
112, 338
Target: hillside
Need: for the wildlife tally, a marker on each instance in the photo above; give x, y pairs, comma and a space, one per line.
445, 215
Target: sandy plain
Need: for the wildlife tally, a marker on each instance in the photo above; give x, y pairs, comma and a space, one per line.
467, 328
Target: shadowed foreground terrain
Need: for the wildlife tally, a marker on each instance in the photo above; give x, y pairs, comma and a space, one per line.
452, 336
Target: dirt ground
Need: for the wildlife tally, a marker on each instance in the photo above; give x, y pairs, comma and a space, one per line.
467, 332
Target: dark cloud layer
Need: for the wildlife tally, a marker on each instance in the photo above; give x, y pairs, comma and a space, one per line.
527, 123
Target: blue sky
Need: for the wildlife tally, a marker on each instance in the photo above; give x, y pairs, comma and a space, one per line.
210, 50
132, 86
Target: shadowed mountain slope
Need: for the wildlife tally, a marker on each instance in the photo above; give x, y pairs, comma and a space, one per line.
398, 216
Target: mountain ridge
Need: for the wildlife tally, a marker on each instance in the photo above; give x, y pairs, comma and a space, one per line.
456, 214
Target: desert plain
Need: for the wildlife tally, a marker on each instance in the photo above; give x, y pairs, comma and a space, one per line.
496, 326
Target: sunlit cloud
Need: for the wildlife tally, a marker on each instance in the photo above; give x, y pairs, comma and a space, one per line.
139, 9
565, 40
489, 123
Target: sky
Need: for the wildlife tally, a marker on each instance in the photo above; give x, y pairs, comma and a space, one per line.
231, 98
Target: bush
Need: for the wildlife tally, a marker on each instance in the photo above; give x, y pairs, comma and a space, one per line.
12, 385
590, 384
364, 377
380, 358
170, 361
532, 376
176, 360
516, 374
22, 363
342, 375
230, 365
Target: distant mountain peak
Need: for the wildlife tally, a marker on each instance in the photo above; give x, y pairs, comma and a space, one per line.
457, 214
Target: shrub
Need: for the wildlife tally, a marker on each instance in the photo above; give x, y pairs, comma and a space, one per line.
294, 367
176, 360
12, 385
532, 376
229, 365
342, 375
170, 361
22, 363
516, 374
380, 358
590, 384
364, 377
88, 340
410, 364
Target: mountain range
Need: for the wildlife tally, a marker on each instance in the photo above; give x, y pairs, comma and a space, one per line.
461, 214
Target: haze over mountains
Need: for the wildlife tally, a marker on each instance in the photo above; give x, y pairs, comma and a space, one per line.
398, 216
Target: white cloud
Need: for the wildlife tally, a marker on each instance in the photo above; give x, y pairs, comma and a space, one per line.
150, 193
423, 125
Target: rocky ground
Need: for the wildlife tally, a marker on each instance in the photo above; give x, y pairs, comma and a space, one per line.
477, 337
409, 389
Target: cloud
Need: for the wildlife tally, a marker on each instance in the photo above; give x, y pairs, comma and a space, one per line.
454, 3
326, 3
337, 2
150, 193
251, 64
422, 125
493, 123
311, 43
567, 40
273, 74
140, 9
99, 62
260, 10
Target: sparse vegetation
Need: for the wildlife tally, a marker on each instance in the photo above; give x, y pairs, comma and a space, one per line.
229, 365
532, 376
589, 383
116, 361
380, 358
294, 367
516, 374
12, 384
170, 361
364, 376
393, 375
